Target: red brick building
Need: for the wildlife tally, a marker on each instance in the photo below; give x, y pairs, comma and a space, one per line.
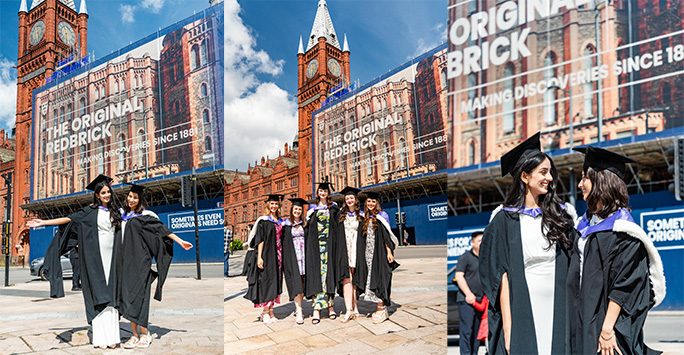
244, 194
7, 170
48, 31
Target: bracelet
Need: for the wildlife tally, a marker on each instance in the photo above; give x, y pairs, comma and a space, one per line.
608, 338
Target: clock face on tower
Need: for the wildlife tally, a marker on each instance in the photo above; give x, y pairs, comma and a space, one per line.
66, 33
334, 67
37, 33
312, 68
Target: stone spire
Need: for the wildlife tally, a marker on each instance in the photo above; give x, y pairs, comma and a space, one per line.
322, 27
83, 9
69, 3
345, 47
22, 7
301, 47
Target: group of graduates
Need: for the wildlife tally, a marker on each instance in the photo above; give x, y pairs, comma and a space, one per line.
557, 284
116, 248
326, 250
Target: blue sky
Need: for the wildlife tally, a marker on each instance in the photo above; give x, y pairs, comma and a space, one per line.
261, 59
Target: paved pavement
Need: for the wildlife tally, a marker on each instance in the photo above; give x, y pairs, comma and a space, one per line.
189, 320
417, 321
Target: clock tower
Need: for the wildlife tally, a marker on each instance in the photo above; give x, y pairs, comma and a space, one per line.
50, 30
322, 66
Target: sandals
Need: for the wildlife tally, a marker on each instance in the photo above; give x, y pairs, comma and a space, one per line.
131, 343
300, 316
145, 341
331, 313
348, 317
316, 318
380, 317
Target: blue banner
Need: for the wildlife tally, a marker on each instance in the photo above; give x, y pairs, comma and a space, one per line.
665, 228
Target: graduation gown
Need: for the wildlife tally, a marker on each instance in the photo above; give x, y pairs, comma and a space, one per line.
381, 269
620, 264
144, 237
263, 284
290, 266
502, 252
312, 255
98, 293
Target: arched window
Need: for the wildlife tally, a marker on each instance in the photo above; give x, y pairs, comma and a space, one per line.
203, 54
398, 99
141, 153
402, 153
82, 103
102, 92
207, 143
101, 161
550, 94
588, 86
140, 81
386, 160
205, 116
443, 79
123, 85
194, 57
176, 106
133, 82
83, 185
471, 153
472, 83
384, 103
369, 165
116, 86
203, 90
363, 112
508, 105
122, 155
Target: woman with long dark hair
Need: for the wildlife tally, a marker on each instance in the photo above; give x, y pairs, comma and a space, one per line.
320, 253
97, 229
615, 274
524, 257
144, 237
348, 226
293, 255
375, 257
265, 270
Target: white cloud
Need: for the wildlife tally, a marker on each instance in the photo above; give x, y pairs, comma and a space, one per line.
153, 5
260, 116
438, 35
127, 13
8, 93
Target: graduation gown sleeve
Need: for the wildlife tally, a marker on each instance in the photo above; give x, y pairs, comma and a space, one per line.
341, 254
290, 266
264, 284
381, 268
312, 256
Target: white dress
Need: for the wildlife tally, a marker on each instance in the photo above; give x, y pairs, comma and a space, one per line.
540, 272
106, 324
351, 227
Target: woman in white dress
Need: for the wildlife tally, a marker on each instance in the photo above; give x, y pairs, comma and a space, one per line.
524, 257
95, 226
347, 229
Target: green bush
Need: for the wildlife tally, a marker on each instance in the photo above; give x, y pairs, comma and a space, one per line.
236, 245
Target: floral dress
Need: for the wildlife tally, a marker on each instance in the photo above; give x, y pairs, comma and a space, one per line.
298, 241
279, 249
322, 299
370, 247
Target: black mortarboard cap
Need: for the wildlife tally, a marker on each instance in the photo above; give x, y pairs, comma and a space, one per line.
601, 159
372, 194
298, 201
138, 189
350, 191
511, 159
274, 197
100, 178
325, 186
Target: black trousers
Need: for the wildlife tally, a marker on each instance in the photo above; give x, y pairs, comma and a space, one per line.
469, 325
76, 268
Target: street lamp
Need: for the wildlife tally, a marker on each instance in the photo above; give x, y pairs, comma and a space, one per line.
573, 188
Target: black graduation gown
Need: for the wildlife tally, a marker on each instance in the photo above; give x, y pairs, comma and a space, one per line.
381, 271
501, 252
616, 267
144, 237
312, 256
98, 293
341, 256
290, 266
264, 284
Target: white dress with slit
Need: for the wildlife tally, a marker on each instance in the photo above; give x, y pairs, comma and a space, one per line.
106, 324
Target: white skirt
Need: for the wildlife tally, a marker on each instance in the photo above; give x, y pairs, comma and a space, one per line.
106, 328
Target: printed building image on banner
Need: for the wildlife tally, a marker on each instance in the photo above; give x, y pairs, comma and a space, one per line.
394, 127
152, 109
580, 71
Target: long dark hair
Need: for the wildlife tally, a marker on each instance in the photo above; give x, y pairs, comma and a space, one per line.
113, 206
328, 199
302, 216
371, 215
142, 203
556, 222
608, 193
345, 209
